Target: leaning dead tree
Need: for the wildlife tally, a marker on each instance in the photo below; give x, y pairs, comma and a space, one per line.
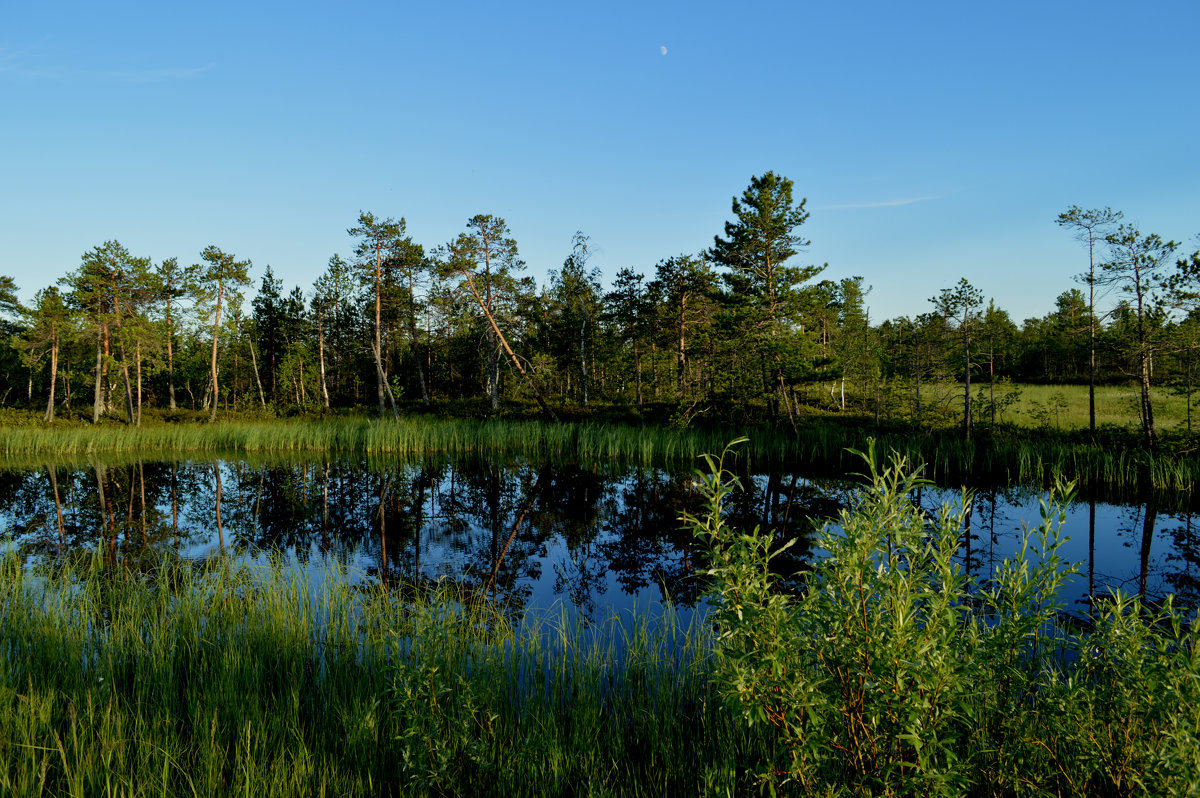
532, 383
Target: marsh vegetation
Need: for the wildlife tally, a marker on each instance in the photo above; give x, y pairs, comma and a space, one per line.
886, 667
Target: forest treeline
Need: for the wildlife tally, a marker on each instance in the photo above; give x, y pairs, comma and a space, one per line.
735, 330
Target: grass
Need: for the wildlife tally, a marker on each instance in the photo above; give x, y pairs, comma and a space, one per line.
1116, 405
1109, 466
235, 681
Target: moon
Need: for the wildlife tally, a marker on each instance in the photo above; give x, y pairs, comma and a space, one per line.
663, 49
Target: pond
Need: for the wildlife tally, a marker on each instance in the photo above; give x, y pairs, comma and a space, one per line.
598, 541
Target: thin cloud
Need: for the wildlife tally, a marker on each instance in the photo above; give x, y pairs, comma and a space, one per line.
885, 204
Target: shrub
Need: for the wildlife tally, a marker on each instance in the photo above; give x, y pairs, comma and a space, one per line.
894, 673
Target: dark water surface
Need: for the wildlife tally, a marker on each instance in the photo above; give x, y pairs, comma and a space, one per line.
596, 540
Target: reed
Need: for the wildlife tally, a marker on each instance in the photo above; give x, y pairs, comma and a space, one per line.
270, 681
1109, 466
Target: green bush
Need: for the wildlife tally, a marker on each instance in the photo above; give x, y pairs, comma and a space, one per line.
894, 673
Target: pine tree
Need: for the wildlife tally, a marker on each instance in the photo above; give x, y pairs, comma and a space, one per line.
212, 283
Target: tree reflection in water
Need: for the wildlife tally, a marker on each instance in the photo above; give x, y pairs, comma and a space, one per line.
525, 535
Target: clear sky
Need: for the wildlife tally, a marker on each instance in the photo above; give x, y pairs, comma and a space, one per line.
933, 140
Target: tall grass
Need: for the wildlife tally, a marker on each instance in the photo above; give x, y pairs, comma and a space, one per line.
1110, 466
258, 682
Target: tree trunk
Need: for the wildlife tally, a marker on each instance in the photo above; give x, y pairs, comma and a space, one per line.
170, 355
496, 330
966, 383
917, 375
97, 405
783, 397
212, 416
66, 383
381, 380
412, 334
1092, 334
681, 360
262, 397
106, 396
637, 369
138, 351
992, 382
1147, 407
1144, 355
321, 359
1190, 374
124, 363
583, 371
493, 365
49, 416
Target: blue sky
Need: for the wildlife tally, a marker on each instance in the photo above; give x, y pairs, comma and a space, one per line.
933, 140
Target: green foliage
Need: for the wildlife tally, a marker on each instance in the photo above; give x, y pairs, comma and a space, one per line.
989, 404
1056, 405
894, 673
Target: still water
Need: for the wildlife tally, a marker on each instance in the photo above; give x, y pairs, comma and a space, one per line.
598, 541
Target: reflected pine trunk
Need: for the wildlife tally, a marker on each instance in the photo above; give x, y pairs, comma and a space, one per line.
1147, 538
385, 483
529, 501
220, 527
1092, 554
62, 535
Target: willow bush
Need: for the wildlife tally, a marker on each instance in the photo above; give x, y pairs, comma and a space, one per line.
894, 673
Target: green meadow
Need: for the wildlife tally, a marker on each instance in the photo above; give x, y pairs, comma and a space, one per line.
1066, 406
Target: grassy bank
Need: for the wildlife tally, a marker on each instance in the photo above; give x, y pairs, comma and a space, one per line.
1109, 466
